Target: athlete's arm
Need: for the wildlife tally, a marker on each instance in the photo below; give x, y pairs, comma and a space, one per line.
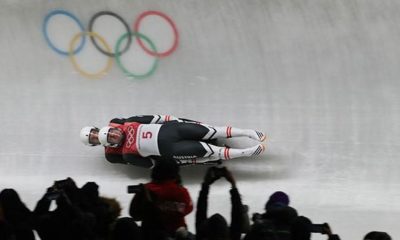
143, 119
115, 158
146, 119
133, 159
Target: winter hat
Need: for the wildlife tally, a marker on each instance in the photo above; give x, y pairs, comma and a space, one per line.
90, 190
374, 235
165, 169
9, 199
69, 187
278, 198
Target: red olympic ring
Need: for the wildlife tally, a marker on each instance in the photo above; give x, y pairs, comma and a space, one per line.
169, 20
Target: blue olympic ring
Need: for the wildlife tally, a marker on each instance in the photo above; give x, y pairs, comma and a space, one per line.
68, 14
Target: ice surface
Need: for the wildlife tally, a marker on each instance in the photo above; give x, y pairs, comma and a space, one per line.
321, 78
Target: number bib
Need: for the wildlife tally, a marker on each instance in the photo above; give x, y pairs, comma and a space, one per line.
147, 136
140, 139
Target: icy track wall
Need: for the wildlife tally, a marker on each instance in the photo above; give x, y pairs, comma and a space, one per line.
320, 77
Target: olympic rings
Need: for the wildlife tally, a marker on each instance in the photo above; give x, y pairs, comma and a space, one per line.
168, 19
153, 48
90, 28
70, 15
149, 47
75, 64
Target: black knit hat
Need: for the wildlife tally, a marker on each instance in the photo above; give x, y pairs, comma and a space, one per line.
374, 235
278, 198
165, 169
90, 190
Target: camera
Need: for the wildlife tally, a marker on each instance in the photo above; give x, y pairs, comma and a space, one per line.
61, 184
319, 228
257, 218
53, 193
135, 188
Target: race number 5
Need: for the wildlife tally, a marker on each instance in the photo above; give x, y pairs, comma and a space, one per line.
147, 135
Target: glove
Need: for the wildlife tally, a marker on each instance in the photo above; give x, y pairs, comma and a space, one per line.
229, 177
210, 176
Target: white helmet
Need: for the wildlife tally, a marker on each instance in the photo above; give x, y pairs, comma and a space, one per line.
85, 135
103, 137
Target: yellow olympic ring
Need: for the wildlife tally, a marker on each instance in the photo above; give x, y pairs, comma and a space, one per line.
71, 55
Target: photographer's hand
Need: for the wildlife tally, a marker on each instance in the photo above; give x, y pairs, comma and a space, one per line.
229, 177
210, 176
147, 193
327, 229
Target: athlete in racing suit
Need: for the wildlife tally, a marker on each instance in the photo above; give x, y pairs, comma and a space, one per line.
139, 140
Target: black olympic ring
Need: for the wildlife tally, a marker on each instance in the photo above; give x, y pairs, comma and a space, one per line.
90, 28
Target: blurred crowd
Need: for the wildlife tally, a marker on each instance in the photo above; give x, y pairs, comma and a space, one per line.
157, 212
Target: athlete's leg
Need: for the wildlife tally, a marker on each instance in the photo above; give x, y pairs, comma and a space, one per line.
187, 149
195, 131
228, 132
200, 152
226, 153
185, 152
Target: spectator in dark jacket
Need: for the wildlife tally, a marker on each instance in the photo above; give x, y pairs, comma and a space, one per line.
104, 209
163, 203
216, 227
276, 221
277, 209
16, 217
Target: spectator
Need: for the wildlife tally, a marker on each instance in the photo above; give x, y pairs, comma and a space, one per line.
67, 221
375, 235
105, 210
216, 227
15, 217
275, 223
163, 203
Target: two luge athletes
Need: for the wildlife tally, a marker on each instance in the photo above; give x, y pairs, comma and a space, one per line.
142, 140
